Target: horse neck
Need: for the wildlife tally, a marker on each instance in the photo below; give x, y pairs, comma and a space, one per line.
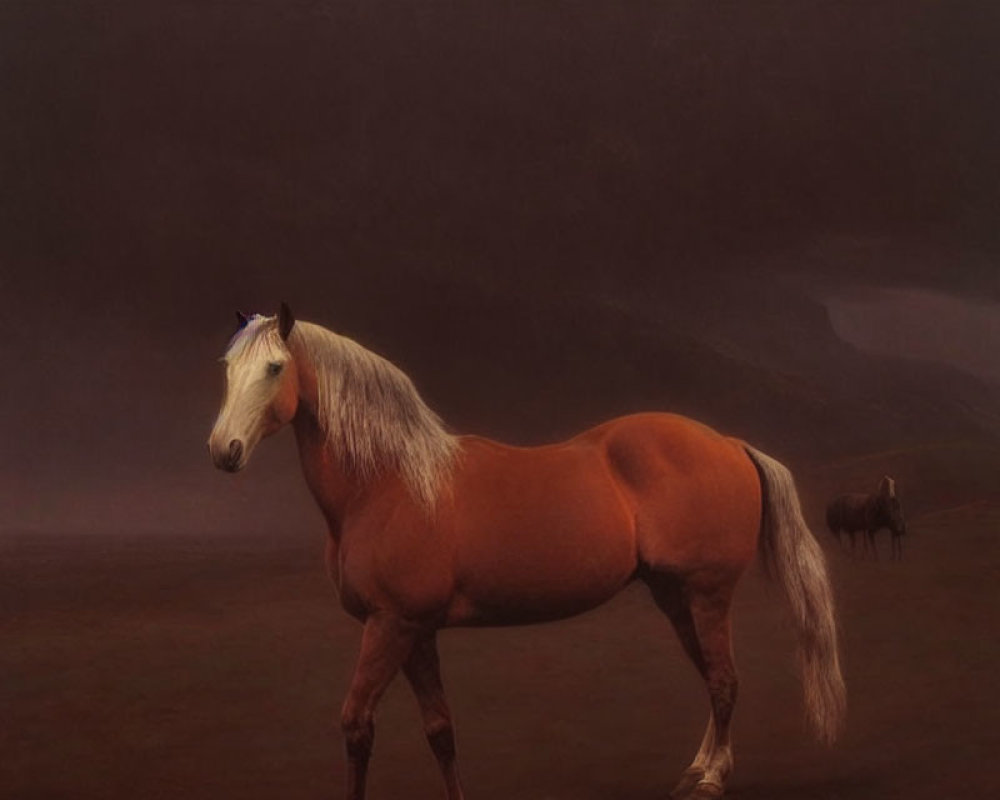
331, 485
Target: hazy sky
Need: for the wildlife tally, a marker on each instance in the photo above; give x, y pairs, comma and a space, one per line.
434, 177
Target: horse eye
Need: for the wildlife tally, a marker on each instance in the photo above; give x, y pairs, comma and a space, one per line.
273, 368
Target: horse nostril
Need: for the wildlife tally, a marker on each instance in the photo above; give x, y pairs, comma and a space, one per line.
235, 451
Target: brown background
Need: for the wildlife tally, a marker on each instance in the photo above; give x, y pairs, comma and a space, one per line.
777, 217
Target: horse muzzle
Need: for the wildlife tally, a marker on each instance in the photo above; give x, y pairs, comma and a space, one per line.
229, 458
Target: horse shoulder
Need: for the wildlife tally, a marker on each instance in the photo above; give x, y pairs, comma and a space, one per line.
395, 555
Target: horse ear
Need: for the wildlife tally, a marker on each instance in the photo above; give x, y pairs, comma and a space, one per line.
242, 319
285, 320
885, 487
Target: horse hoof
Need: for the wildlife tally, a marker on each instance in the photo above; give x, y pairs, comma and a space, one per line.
689, 779
706, 790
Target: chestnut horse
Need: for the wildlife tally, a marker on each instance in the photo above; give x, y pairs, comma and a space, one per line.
428, 530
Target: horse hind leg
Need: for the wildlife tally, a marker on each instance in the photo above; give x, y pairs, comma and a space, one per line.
668, 594
710, 611
701, 619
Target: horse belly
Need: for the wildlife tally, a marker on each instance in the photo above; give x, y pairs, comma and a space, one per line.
542, 550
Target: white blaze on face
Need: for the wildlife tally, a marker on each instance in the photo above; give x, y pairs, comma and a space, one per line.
254, 362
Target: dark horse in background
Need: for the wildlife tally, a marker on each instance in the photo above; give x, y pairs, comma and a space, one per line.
869, 513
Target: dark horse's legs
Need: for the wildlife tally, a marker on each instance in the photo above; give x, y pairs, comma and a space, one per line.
385, 645
870, 538
700, 615
897, 546
423, 671
866, 543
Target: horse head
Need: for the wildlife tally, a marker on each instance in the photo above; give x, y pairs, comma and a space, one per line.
890, 502
262, 388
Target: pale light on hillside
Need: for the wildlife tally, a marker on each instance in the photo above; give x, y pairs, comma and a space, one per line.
913, 323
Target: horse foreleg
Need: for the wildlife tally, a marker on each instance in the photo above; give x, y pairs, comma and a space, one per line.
423, 671
385, 645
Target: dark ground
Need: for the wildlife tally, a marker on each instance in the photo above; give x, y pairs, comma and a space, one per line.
205, 666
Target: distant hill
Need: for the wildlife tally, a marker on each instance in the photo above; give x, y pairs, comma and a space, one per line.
767, 368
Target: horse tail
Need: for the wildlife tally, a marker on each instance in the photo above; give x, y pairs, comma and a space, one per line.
792, 556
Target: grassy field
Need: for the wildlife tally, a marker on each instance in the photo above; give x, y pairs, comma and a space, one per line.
209, 666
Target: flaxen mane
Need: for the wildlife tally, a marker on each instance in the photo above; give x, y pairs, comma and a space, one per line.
373, 416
